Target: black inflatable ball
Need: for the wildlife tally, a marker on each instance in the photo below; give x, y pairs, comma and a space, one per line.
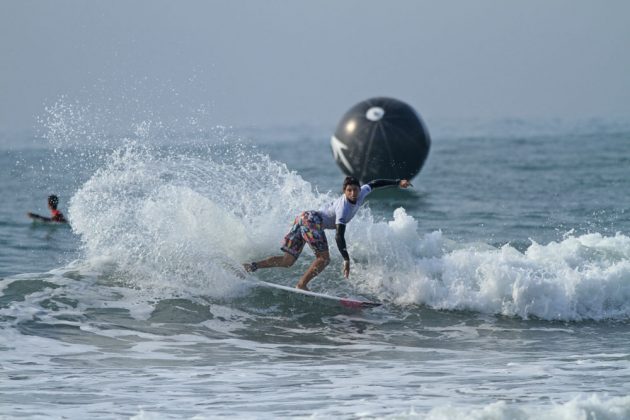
381, 138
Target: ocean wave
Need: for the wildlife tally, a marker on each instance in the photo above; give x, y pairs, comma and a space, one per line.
579, 278
185, 223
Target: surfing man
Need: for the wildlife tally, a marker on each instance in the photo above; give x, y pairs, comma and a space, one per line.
56, 215
309, 228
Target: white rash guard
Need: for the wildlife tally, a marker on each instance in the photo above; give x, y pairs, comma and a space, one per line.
341, 211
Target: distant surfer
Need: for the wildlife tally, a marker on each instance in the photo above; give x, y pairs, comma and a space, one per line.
309, 228
55, 215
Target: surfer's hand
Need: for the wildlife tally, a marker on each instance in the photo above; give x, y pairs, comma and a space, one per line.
346, 269
404, 183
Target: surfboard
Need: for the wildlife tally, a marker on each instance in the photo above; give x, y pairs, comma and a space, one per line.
345, 302
39, 219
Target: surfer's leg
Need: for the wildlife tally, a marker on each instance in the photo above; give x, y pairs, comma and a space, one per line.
292, 246
313, 234
286, 260
322, 259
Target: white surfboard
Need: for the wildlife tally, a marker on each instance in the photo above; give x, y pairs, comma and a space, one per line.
345, 302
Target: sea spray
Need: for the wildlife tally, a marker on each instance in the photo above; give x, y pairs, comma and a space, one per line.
179, 220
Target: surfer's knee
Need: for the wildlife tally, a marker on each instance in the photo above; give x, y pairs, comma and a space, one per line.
324, 258
288, 260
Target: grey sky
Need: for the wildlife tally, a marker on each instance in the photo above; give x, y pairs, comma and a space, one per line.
290, 62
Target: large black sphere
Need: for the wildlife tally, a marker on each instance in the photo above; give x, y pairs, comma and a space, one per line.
381, 138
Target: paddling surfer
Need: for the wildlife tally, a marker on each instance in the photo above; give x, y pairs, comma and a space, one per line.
55, 215
309, 228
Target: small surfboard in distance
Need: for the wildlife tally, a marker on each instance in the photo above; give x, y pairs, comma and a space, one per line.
48, 220
345, 302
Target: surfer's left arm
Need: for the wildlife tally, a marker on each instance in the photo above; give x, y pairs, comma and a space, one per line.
341, 245
38, 217
380, 183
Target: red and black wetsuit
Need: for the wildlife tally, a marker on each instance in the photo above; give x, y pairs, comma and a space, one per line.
57, 216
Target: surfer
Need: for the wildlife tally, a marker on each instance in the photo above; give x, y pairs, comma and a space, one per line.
56, 215
309, 228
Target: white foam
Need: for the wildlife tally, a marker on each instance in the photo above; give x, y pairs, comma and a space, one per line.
583, 277
582, 407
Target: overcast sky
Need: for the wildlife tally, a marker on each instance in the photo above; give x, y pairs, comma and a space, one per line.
291, 62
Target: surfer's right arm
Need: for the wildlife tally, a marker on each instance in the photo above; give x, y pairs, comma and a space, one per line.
341, 245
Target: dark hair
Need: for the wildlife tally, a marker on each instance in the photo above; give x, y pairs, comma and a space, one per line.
350, 180
53, 200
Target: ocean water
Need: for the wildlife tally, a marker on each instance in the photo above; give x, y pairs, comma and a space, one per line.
505, 275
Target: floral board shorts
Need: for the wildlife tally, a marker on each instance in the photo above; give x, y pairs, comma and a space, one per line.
307, 228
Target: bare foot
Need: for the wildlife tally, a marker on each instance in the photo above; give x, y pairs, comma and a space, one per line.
251, 267
301, 287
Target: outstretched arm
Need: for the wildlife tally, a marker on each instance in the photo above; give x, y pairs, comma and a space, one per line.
57, 218
380, 183
38, 217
